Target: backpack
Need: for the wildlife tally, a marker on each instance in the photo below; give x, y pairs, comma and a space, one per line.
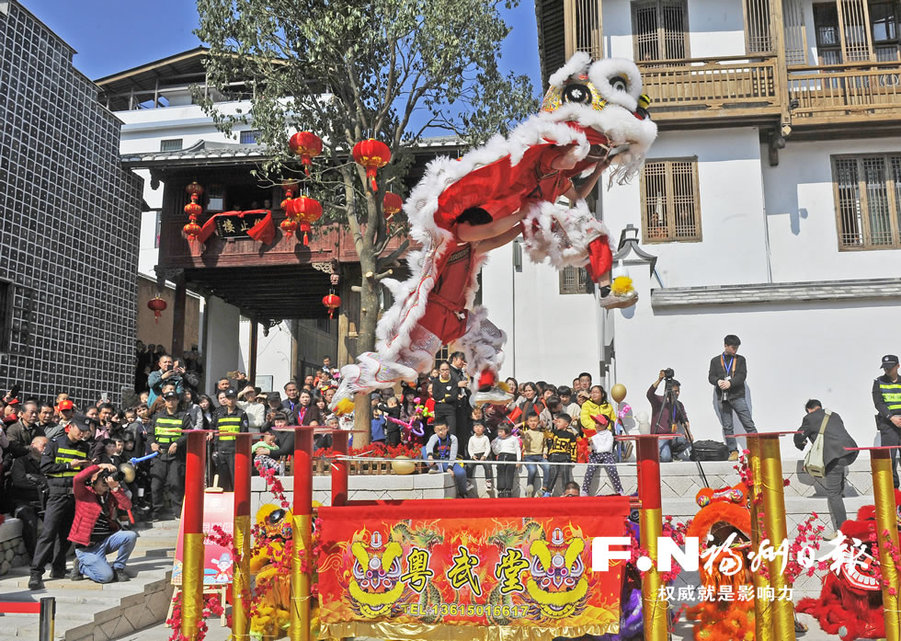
709, 451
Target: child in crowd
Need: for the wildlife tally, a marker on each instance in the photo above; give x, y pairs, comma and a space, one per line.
533, 453
507, 449
262, 452
601, 444
378, 426
441, 452
561, 449
391, 410
478, 448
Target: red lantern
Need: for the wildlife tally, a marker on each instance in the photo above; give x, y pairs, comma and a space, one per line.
194, 190
193, 210
391, 204
191, 231
332, 302
307, 145
373, 155
158, 305
289, 226
306, 209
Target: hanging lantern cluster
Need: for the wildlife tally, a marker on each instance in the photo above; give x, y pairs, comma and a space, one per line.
307, 145
157, 305
307, 211
289, 224
373, 155
332, 302
193, 209
391, 204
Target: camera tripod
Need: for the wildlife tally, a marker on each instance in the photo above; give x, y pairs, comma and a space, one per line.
669, 401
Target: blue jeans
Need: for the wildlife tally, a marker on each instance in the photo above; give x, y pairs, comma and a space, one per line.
669, 446
532, 469
740, 406
93, 559
456, 468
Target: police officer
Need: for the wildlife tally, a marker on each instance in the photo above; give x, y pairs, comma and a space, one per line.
167, 470
61, 461
887, 399
228, 419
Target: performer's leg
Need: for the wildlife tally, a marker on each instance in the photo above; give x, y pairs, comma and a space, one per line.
482, 344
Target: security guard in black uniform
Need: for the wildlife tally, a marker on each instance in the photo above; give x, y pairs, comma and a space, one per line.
887, 399
167, 470
229, 419
61, 461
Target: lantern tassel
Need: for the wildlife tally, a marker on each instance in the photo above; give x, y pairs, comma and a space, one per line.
371, 173
306, 239
307, 161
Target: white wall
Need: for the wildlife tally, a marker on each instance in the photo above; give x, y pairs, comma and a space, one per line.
222, 345
716, 28
731, 203
800, 206
550, 336
273, 352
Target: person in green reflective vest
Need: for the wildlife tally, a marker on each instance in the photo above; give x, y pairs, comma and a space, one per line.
167, 470
887, 399
62, 459
228, 419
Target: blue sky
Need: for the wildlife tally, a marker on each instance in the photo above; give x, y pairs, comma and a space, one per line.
111, 35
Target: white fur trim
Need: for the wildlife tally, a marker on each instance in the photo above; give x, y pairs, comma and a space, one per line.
560, 235
618, 124
577, 64
602, 71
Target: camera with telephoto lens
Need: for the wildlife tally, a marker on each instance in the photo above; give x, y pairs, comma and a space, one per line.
115, 475
669, 374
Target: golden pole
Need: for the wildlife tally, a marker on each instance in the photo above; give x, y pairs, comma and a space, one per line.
777, 532
763, 611
302, 561
192, 543
656, 619
884, 494
241, 578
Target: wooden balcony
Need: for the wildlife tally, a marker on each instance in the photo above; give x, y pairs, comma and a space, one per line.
847, 95
728, 91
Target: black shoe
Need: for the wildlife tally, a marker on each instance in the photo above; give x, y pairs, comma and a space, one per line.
75, 574
35, 582
122, 575
58, 573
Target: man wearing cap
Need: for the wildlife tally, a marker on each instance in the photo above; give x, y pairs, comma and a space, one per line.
228, 420
887, 399
60, 463
167, 470
66, 411
727, 374
95, 529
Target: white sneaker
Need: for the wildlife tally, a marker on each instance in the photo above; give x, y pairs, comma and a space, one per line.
530, 490
612, 301
470, 487
494, 396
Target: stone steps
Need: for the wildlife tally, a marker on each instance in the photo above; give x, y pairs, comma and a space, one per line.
87, 611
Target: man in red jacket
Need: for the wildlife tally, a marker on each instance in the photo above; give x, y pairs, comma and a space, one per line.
95, 530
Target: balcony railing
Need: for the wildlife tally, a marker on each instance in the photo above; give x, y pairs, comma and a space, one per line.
833, 93
720, 87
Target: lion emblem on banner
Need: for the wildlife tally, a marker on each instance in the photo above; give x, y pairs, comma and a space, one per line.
557, 586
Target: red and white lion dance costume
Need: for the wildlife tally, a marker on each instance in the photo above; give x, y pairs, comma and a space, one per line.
593, 116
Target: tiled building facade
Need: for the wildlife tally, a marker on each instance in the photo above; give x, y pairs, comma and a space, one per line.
69, 224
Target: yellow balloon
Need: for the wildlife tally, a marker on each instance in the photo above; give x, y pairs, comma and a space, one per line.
618, 392
402, 465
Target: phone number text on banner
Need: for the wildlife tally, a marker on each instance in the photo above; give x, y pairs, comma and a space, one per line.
467, 569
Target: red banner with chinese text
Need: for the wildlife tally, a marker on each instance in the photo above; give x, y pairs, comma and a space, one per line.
486, 569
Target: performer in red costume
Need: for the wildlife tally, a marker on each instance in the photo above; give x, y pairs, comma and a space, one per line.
594, 116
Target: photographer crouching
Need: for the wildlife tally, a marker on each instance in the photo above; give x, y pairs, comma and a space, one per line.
668, 417
95, 530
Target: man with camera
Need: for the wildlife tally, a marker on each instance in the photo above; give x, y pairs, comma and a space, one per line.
727, 374
95, 529
167, 373
668, 417
59, 463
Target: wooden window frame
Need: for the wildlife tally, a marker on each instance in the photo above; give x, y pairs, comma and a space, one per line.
747, 11
670, 236
576, 285
894, 204
661, 39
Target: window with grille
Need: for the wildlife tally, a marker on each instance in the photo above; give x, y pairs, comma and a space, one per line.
573, 280
670, 203
857, 31
757, 26
442, 356
249, 137
588, 33
173, 144
660, 30
867, 197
